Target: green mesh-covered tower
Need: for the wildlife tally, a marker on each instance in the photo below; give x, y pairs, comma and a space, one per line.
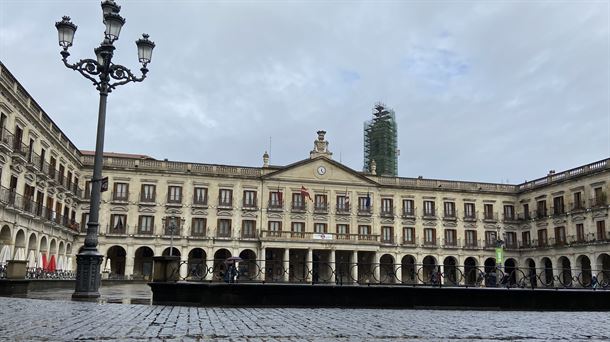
380, 141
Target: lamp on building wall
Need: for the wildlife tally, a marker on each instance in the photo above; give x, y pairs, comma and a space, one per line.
105, 76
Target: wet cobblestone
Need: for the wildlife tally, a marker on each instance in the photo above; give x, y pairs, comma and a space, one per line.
47, 320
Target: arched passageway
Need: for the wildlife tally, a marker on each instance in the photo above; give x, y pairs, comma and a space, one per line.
142, 263
546, 275
408, 270
451, 274
386, 269
471, 273
429, 273
565, 271
115, 261
248, 268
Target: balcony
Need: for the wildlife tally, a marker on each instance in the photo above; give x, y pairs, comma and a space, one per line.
470, 217
411, 242
120, 198
450, 216
524, 216
387, 212
430, 214
250, 206
43, 170
451, 243
579, 206
343, 209
33, 162
147, 199
6, 140
510, 218
275, 205
408, 213
118, 231
387, 240
320, 208
167, 232
20, 152
368, 237
433, 243
364, 211
248, 234
471, 244
490, 217
298, 207
226, 205
598, 202
511, 245
145, 230
558, 211
540, 214
198, 234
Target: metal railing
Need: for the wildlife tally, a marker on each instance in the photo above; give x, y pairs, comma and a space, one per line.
412, 274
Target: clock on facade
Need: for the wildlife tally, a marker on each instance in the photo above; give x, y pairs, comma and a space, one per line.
321, 170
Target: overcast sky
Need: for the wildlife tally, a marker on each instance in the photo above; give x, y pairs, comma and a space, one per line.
485, 91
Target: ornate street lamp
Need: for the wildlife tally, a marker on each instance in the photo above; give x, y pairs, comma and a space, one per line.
106, 76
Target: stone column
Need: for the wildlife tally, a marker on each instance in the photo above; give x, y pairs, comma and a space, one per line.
332, 263
286, 264
261, 264
376, 268
129, 262
398, 268
309, 263
354, 267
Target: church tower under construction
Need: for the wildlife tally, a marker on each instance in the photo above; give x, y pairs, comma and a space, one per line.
380, 142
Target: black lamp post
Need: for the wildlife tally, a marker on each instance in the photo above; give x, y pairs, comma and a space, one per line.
105, 76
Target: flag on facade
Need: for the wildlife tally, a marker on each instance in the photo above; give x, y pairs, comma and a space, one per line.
279, 195
346, 199
305, 193
368, 200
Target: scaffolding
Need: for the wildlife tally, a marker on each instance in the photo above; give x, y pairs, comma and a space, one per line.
380, 141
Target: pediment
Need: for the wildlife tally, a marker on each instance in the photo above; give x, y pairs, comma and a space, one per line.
320, 170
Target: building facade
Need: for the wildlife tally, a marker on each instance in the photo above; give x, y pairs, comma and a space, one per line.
313, 220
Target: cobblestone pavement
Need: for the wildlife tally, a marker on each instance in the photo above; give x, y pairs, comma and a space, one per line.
53, 320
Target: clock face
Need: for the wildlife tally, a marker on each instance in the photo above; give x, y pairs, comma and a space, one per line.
321, 170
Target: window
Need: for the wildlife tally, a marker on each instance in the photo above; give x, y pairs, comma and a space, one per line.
248, 228
578, 202
526, 211
408, 208
560, 236
297, 229
488, 210
429, 236
449, 209
601, 230
387, 234
320, 203
118, 224
42, 159
298, 202
343, 231
320, 228
69, 180
275, 228
172, 225
147, 193
60, 175
364, 204
542, 238
364, 230
526, 239
198, 226
342, 203
541, 209
387, 208
511, 239
200, 196
146, 224
599, 198
84, 219
450, 237
249, 199
558, 205
469, 211
408, 235
87, 189
224, 228
580, 232
275, 199
225, 198
174, 194
52, 165
490, 238
509, 212
470, 238
120, 191
429, 208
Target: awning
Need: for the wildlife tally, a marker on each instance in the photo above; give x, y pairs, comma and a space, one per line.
5, 254
32, 258
52, 264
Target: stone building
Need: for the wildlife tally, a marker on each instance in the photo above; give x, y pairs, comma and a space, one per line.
313, 220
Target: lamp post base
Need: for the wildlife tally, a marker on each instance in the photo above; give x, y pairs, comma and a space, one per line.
88, 275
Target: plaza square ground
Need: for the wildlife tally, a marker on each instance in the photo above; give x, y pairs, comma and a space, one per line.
60, 320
